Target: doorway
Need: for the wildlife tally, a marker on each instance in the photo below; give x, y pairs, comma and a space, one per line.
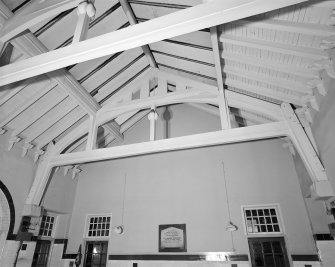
96, 254
268, 252
41, 255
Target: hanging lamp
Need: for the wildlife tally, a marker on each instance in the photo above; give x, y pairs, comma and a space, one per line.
119, 229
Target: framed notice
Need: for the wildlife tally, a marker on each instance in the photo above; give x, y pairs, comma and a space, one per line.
172, 238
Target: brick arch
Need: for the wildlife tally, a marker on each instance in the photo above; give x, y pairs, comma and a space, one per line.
7, 211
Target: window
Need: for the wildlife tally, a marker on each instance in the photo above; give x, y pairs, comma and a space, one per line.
98, 225
261, 220
47, 225
96, 254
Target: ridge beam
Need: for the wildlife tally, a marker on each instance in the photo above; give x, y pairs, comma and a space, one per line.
175, 24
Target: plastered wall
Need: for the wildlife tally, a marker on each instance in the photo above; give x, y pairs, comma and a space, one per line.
188, 187
323, 127
16, 173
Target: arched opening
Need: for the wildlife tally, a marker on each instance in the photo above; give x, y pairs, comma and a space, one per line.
7, 216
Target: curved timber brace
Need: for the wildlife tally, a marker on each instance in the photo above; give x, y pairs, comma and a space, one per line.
290, 126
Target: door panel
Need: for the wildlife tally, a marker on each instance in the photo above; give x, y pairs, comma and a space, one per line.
96, 254
268, 252
41, 254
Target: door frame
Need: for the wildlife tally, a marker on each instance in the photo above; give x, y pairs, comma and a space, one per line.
87, 241
270, 238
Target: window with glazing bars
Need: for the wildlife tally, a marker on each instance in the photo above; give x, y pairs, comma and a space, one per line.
47, 225
261, 220
98, 226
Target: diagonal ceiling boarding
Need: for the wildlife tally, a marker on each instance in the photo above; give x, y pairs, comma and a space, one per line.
271, 56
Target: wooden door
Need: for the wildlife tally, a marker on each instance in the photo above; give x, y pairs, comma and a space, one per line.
96, 254
268, 252
41, 255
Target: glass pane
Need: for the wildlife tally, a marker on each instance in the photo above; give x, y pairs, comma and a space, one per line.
260, 212
277, 247
263, 228
274, 219
90, 248
269, 261
279, 260
270, 229
276, 228
248, 213
259, 260
273, 211
267, 247
266, 212
257, 247
254, 213
104, 249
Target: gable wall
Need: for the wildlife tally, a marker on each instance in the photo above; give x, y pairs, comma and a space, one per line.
188, 187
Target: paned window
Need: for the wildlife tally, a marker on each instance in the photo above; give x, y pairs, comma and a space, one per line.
47, 225
98, 226
261, 220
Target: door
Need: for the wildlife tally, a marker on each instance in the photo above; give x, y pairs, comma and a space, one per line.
96, 254
268, 252
41, 254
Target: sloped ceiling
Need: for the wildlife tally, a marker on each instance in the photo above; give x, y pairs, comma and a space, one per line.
271, 57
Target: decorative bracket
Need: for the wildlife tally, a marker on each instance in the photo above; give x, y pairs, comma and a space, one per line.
25, 148
12, 141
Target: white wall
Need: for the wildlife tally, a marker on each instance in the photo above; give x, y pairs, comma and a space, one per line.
17, 174
188, 187
324, 131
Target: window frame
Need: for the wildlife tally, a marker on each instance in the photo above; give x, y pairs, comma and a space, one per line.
53, 231
87, 224
279, 216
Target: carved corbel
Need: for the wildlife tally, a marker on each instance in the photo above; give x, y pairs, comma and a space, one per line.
76, 170
12, 141
67, 168
37, 154
328, 43
326, 64
2, 131
288, 144
25, 148
311, 99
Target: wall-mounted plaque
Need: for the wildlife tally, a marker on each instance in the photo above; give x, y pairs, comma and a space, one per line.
172, 238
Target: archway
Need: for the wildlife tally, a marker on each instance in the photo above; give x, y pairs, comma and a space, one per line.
7, 216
